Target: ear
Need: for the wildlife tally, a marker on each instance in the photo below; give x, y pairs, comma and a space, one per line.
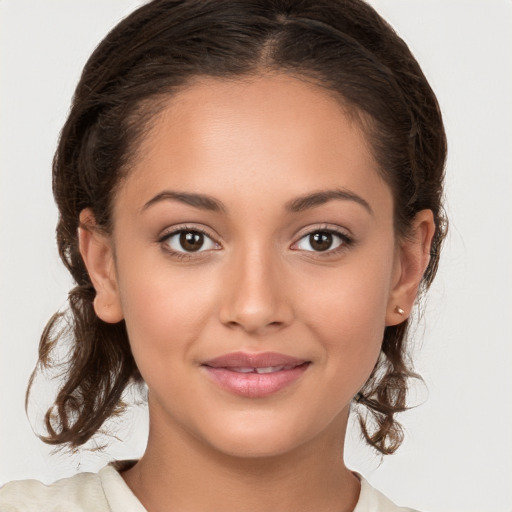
97, 253
411, 261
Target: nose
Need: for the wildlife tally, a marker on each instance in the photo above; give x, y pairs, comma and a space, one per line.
256, 298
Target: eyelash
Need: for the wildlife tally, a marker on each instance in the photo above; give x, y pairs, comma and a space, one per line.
183, 255
346, 241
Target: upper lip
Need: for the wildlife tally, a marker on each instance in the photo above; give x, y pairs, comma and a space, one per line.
261, 360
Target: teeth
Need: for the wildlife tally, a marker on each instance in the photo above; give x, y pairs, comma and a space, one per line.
267, 369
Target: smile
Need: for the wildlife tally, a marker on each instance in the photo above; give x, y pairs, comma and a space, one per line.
255, 375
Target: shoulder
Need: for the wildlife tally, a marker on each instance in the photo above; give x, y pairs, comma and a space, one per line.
372, 500
80, 493
105, 491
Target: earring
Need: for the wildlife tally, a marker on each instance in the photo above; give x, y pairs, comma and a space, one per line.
399, 310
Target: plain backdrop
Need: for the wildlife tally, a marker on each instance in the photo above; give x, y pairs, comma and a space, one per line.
457, 456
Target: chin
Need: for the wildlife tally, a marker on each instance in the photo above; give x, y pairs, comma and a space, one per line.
270, 435
256, 445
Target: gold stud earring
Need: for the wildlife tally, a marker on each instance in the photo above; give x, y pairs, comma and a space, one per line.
399, 310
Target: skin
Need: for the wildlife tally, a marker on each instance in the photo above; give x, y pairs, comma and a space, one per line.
254, 145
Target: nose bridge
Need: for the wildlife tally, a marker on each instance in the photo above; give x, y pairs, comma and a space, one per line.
254, 297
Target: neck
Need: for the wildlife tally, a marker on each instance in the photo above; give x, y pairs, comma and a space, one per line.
178, 472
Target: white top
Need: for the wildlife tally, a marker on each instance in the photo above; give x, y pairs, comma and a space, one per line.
106, 491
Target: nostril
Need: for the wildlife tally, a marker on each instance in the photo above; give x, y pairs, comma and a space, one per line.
254, 310
253, 326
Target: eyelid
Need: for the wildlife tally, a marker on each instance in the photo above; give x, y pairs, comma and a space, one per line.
175, 230
344, 234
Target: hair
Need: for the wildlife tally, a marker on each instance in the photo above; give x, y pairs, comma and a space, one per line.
343, 46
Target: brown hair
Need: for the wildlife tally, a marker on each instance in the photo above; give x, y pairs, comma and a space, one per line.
343, 45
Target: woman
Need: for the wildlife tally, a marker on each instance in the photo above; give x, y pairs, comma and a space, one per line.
250, 199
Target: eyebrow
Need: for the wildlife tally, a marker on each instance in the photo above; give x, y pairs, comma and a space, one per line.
200, 201
299, 204
319, 198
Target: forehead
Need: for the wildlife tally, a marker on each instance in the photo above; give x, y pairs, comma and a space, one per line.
266, 134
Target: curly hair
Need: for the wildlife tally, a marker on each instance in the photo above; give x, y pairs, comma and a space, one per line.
342, 45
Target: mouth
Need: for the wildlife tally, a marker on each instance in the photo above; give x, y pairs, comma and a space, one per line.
255, 375
260, 370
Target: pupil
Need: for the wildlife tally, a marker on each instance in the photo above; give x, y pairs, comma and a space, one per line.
320, 241
191, 240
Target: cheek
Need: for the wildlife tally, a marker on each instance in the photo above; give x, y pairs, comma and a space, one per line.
165, 312
347, 312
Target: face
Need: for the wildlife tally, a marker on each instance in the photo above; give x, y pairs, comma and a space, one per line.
255, 264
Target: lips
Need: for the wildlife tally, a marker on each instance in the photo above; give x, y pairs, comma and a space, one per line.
255, 375
265, 369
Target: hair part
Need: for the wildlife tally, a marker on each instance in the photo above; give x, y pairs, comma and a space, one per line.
343, 46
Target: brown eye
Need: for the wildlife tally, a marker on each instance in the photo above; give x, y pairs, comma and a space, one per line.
189, 240
321, 241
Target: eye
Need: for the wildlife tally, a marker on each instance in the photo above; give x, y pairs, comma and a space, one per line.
322, 241
189, 240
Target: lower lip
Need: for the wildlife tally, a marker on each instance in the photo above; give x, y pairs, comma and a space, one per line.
255, 385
